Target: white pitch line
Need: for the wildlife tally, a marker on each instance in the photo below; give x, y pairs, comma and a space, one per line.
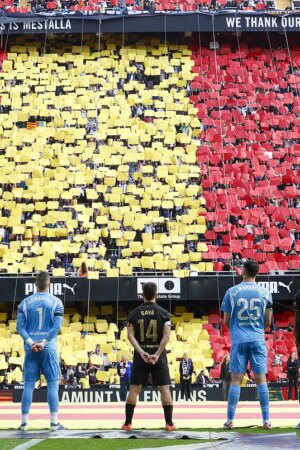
28, 444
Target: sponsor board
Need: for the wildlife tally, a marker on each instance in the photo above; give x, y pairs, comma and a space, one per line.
167, 288
206, 21
105, 394
277, 287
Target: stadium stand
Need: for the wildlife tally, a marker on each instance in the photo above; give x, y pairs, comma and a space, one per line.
98, 158
247, 99
101, 155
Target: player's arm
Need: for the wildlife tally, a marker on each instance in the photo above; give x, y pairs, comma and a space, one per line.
163, 342
268, 318
134, 342
269, 312
227, 317
21, 326
226, 308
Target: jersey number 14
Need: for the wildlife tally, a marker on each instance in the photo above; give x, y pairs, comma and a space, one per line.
151, 332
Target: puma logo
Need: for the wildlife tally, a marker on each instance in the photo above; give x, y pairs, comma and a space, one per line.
286, 286
71, 288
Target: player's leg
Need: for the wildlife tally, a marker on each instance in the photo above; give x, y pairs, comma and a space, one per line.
131, 401
53, 401
31, 374
161, 378
238, 366
233, 398
167, 404
139, 376
26, 403
258, 362
51, 370
263, 397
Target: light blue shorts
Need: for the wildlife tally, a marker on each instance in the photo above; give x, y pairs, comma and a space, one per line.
45, 362
253, 352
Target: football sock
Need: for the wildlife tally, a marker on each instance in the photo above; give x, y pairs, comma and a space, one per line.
263, 397
27, 398
52, 397
53, 418
129, 410
24, 418
233, 398
168, 411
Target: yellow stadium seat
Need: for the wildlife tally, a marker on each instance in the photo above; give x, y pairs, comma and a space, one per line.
12, 326
58, 272
76, 326
106, 348
101, 326
102, 376
88, 327
3, 317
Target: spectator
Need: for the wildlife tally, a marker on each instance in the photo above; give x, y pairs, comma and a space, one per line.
71, 379
186, 370
227, 266
80, 371
202, 378
124, 371
225, 377
83, 270
293, 375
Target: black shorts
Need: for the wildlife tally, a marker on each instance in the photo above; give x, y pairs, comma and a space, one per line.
159, 371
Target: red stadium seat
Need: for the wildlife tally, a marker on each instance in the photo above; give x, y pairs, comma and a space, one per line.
272, 375
215, 373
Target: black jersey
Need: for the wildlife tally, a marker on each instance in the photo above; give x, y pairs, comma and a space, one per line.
148, 321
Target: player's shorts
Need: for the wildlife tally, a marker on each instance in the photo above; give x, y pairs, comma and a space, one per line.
141, 370
45, 362
253, 352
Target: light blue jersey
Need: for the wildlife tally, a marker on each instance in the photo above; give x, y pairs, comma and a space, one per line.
40, 317
247, 303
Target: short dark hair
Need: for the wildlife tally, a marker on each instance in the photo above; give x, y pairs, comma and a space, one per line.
149, 290
251, 268
42, 280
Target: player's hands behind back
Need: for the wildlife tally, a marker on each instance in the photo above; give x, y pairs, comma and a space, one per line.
145, 356
153, 359
37, 347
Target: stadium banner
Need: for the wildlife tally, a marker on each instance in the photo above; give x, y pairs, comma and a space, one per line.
104, 394
141, 22
203, 288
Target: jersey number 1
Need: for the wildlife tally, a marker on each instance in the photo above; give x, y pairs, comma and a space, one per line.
151, 332
40, 313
